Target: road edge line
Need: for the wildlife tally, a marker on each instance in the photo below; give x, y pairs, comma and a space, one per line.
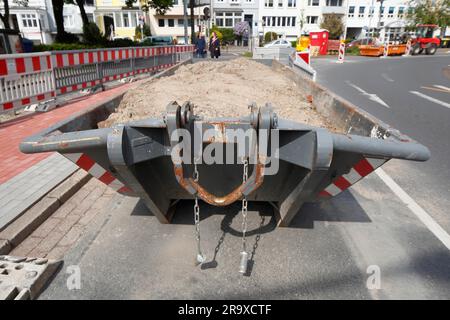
420, 213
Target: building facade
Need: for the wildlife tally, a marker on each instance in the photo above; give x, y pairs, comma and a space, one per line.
116, 20
37, 23
227, 13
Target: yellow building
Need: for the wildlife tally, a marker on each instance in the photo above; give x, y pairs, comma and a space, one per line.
116, 20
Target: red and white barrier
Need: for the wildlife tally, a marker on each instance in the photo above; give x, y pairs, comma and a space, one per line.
359, 171
25, 79
341, 55
36, 77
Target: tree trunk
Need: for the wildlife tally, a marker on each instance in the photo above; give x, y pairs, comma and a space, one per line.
83, 14
5, 16
193, 38
59, 20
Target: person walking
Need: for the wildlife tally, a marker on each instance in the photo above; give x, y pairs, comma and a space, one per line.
201, 46
214, 46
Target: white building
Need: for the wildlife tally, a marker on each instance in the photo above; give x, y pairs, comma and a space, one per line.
288, 18
37, 23
365, 15
172, 23
227, 13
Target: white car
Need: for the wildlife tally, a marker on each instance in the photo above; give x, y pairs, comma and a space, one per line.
279, 43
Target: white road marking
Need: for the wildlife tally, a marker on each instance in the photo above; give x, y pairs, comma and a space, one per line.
423, 216
386, 77
441, 87
372, 96
442, 103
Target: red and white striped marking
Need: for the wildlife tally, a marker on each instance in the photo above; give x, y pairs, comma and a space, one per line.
408, 48
26, 101
87, 163
68, 59
359, 171
76, 87
385, 49
341, 55
25, 64
305, 55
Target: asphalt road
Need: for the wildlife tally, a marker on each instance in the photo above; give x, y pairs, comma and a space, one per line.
393, 80
332, 250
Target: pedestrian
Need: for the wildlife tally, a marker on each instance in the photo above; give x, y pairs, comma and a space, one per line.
201, 46
214, 46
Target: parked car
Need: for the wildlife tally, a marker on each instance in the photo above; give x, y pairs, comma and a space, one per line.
158, 40
279, 43
358, 42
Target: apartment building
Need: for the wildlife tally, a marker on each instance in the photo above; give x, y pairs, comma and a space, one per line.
365, 16
172, 23
227, 13
116, 20
37, 23
288, 18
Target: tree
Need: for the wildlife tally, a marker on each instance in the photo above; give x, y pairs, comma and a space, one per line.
5, 15
332, 23
161, 6
429, 12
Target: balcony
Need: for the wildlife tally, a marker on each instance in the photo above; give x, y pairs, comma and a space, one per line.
333, 9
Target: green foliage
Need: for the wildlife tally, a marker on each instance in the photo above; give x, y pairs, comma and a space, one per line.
161, 6
92, 34
270, 36
248, 54
62, 46
429, 12
227, 34
294, 44
333, 23
352, 51
145, 28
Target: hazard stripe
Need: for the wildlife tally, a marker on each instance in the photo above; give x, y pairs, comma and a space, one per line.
88, 164
359, 171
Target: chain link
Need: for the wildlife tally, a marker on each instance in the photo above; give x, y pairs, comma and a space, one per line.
244, 207
200, 257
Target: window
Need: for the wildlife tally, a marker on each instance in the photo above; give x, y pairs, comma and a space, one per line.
160, 22
401, 11
381, 10
362, 10
126, 20
391, 12
171, 22
293, 21
371, 11
334, 3
90, 17
134, 19
280, 3
29, 20
312, 19
268, 3
351, 11
180, 23
283, 22
175, 2
292, 3
274, 21
313, 3
89, 2
68, 21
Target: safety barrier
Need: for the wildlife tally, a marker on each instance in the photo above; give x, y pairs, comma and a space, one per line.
300, 62
37, 77
276, 53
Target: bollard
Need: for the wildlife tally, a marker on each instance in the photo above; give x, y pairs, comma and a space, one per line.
408, 49
341, 51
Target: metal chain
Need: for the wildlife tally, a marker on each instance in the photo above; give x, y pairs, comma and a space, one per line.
244, 254
200, 257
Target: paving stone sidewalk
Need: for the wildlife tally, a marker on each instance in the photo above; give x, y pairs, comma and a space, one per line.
63, 228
